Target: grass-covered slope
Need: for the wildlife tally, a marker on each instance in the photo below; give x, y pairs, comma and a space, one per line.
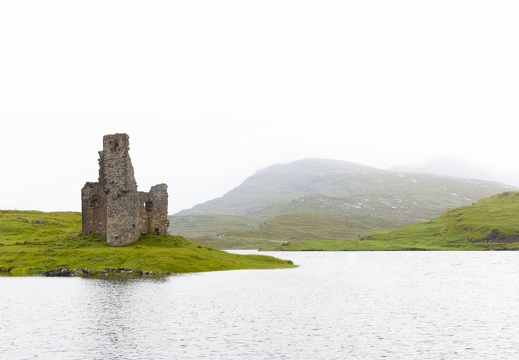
292, 227
32, 242
193, 226
306, 225
273, 232
489, 224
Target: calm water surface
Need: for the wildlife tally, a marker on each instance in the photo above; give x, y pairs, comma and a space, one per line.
341, 305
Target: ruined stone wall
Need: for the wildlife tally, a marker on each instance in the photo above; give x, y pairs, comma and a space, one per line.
158, 215
93, 207
143, 214
153, 211
118, 181
113, 208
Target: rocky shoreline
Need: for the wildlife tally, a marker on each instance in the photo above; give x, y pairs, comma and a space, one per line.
85, 272
6, 270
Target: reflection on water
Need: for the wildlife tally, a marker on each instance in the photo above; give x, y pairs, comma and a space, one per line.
414, 305
111, 309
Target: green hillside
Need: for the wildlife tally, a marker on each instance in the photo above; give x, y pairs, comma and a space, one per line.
32, 242
348, 199
291, 227
193, 226
301, 226
489, 224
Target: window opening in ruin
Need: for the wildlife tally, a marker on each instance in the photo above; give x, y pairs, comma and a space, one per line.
156, 231
148, 205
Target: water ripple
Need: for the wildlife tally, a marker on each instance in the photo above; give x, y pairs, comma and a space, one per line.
449, 305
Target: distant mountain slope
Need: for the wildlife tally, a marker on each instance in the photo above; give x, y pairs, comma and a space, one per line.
338, 188
369, 198
280, 182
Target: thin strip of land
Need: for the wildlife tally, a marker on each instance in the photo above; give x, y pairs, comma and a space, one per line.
32, 242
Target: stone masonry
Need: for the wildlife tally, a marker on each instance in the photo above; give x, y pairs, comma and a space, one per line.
112, 207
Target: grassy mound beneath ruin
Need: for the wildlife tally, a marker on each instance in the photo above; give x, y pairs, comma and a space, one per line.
32, 242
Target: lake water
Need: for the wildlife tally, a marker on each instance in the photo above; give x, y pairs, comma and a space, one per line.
336, 305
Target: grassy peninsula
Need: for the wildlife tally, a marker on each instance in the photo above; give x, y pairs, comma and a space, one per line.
32, 242
489, 224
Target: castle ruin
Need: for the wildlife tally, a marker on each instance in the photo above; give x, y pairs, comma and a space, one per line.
112, 207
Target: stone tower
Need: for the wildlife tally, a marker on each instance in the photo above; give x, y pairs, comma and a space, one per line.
112, 207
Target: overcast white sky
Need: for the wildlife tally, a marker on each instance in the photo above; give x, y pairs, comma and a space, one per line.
211, 91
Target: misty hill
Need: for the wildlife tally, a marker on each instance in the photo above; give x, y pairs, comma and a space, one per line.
339, 188
275, 184
374, 199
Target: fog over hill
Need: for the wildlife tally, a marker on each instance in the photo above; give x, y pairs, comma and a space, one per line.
345, 189
270, 186
446, 165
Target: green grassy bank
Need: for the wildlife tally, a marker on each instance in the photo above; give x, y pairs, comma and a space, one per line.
32, 242
489, 224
